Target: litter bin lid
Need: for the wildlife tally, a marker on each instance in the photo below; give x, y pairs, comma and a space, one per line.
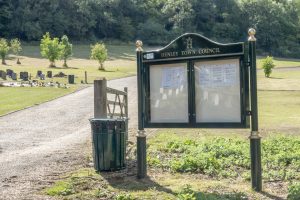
107, 120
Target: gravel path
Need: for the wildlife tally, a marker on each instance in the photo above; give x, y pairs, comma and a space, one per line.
49, 139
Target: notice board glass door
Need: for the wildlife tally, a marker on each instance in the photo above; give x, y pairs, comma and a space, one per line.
217, 91
169, 93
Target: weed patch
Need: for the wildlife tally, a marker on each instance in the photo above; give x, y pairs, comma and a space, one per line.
227, 157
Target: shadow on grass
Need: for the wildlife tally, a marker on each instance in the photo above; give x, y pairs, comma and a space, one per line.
275, 78
127, 180
268, 195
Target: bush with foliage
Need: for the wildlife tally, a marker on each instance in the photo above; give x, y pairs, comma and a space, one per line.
51, 49
294, 191
99, 53
268, 65
16, 48
67, 49
4, 49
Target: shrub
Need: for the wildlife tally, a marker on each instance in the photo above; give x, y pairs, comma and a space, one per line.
268, 65
4, 48
99, 53
294, 191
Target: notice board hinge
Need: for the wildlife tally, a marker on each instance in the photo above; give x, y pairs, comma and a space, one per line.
248, 113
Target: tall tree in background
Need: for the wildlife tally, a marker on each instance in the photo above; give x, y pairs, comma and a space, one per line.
16, 48
4, 49
99, 53
6, 14
51, 49
66, 50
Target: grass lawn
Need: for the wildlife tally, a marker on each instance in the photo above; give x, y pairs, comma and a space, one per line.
12, 99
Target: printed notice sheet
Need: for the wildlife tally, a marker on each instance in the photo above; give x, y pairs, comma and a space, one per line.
169, 93
172, 77
218, 75
218, 91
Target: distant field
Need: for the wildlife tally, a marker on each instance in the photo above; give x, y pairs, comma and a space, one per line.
83, 51
281, 62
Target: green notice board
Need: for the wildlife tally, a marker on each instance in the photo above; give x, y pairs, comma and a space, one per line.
195, 82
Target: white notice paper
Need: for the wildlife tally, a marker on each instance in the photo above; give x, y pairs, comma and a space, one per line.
172, 77
218, 75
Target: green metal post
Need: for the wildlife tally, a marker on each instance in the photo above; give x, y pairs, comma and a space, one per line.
141, 136
255, 139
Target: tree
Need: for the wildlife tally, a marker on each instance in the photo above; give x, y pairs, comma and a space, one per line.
4, 48
51, 49
67, 49
268, 65
99, 53
15, 45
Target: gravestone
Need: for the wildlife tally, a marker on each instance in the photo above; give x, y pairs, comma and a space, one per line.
25, 76
9, 72
71, 79
49, 74
39, 73
3, 74
14, 76
21, 75
42, 76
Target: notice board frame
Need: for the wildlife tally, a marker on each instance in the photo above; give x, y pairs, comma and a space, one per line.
190, 48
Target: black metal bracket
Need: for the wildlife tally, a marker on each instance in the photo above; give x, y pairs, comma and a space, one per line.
248, 113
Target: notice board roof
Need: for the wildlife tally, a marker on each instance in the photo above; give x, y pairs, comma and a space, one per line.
193, 46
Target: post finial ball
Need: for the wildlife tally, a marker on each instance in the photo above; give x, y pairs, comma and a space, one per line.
251, 33
139, 45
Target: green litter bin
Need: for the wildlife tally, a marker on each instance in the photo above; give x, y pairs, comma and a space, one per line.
109, 144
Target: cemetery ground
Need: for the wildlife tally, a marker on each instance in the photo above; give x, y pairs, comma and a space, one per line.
50, 158
120, 64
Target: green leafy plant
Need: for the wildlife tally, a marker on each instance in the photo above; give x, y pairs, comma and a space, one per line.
187, 193
294, 191
228, 158
16, 48
66, 49
99, 53
268, 65
51, 49
123, 196
4, 48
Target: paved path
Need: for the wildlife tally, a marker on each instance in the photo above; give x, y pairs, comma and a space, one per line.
48, 138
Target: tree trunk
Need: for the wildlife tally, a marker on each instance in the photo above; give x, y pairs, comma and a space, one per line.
18, 61
3, 61
65, 64
52, 64
101, 67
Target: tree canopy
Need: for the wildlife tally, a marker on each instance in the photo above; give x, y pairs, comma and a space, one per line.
156, 21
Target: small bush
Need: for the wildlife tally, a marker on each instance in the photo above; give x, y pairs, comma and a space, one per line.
294, 191
123, 196
268, 65
187, 193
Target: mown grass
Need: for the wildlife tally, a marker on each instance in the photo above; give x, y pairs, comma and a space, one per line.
12, 99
